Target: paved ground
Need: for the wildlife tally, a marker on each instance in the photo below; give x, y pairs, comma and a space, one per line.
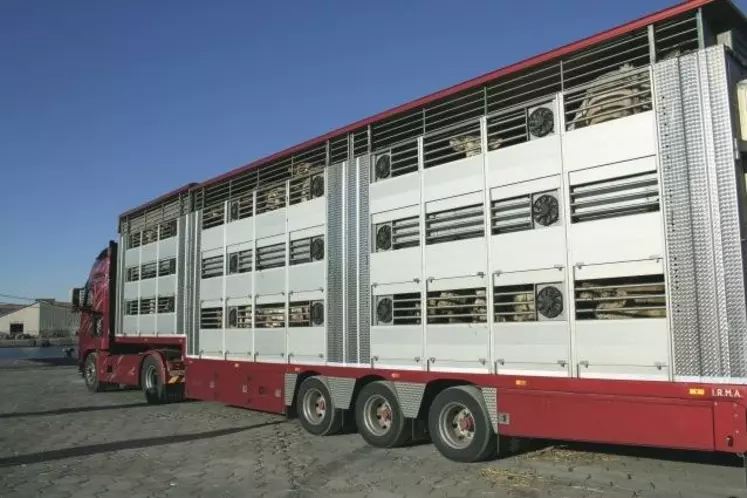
58, 440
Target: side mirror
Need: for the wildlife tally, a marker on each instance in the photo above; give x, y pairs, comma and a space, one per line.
76, 298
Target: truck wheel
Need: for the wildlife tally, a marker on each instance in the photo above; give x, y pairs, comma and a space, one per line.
316, 411
90, 374
379, 416
459, 425
151, 381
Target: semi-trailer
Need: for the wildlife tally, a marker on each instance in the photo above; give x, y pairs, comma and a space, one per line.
551, 250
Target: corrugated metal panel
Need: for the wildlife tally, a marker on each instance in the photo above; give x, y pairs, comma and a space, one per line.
334, 264
351, 263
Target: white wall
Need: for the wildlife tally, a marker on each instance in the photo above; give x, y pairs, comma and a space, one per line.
41, 319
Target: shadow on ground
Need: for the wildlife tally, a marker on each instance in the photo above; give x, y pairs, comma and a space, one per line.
35, 363
589, 452
131, 444
76, 409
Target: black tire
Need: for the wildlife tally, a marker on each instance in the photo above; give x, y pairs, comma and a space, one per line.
152, 382
475, 441
316, 411
90, 375
379, 416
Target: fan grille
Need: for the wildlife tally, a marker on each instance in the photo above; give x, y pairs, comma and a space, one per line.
317, 249
384, 310
541, 122
384, 238
550, 302
317, 314
545, 210
383, 166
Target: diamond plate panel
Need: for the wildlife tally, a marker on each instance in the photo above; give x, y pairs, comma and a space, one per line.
410, 396
674, 106
714, 333
702, 213
731, 277
341, 390
334, 264
705, 284
364, 269
490, 395
678, 217
351, 263
289, 388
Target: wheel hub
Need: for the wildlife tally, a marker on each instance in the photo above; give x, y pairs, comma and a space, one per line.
314, 406
378, 415
90, 372
465, 422
321, 406
456, 425
384, 415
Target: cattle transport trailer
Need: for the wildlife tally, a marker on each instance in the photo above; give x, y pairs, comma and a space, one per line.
551, 250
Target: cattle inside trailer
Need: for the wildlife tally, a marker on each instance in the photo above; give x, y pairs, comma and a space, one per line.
552, 250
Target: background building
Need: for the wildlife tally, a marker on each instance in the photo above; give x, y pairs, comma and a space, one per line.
43, 318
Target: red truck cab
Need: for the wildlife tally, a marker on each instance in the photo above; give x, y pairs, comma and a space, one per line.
105, 360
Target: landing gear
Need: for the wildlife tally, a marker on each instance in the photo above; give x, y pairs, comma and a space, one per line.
316, 410
459, 425
379, 416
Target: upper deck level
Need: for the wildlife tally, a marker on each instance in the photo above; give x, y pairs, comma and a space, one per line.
503, 96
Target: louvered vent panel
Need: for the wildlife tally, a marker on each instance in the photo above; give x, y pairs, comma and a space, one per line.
455, 224
632, 194
272, 256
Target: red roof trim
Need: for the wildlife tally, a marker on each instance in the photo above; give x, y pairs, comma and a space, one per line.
474, 82
143, 207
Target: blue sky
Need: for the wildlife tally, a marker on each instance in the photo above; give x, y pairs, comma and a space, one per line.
107, 104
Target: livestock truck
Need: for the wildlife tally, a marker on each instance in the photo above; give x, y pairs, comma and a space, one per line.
552, 250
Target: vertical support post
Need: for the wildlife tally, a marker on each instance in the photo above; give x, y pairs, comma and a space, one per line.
701, 28
253, 301
424, 280
651, 44
489, 307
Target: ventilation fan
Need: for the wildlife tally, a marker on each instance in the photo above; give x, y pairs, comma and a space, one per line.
317, 313
384, 237
233, 213
550, 302
541, 121
383, 166
233, 263
545, 210
384, 310
233, 317
317, 248
317, 186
